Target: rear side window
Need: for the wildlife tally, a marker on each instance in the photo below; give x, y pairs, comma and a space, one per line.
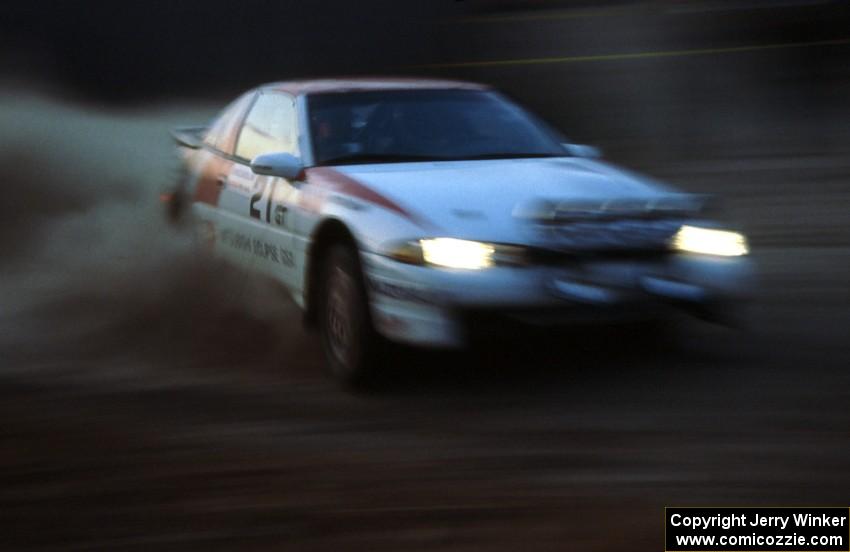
269, 128
221, 133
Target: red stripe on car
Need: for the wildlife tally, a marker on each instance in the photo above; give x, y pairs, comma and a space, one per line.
207, 192
209, 186
333, 180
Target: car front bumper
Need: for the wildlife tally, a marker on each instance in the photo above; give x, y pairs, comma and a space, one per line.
443, 308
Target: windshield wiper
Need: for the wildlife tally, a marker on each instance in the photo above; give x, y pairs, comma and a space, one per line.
363, 158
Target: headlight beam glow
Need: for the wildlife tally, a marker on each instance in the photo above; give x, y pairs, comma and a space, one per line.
454, 253
709, 241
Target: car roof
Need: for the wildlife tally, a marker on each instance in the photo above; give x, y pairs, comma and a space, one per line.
318, 86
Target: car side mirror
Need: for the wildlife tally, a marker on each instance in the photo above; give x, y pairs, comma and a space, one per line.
284, 165
583, 150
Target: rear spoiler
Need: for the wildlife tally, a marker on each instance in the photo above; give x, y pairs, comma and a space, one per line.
190, 137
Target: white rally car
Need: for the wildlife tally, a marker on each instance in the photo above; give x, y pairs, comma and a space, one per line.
421, 211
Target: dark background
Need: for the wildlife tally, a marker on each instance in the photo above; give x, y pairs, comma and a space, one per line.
134, 53
138, 51
151, 400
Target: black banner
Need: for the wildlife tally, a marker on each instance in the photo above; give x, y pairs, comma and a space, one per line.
757, 529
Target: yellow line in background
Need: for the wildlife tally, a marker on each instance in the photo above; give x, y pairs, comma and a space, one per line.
544, 15
636, 55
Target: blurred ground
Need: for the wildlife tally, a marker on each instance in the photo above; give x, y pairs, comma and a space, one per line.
150, 399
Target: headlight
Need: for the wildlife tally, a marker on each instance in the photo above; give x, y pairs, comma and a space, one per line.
452, 253
455, 253
708, 241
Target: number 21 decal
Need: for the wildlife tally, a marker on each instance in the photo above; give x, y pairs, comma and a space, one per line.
256, 207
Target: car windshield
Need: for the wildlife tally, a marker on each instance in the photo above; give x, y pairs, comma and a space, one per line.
424, 125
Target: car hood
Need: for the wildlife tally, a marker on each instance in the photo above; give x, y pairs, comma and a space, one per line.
479, 199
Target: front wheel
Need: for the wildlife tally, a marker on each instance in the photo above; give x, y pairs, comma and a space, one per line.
349, 341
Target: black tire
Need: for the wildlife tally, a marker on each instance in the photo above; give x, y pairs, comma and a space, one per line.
348, 337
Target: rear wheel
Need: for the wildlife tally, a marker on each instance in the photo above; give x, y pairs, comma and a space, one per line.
349, 341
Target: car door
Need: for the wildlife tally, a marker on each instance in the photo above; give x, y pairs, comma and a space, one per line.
256, 231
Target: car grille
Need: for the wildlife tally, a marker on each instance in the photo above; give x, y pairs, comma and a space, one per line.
551, 257
621, 240
624, 234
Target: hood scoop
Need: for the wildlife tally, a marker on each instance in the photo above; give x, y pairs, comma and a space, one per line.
547, 211
624, 224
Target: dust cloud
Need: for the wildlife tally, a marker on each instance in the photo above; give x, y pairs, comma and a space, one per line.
91, 269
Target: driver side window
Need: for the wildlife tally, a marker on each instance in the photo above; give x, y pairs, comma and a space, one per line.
269, 128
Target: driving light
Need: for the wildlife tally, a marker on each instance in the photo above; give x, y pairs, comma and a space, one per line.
453, 253
710, 242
